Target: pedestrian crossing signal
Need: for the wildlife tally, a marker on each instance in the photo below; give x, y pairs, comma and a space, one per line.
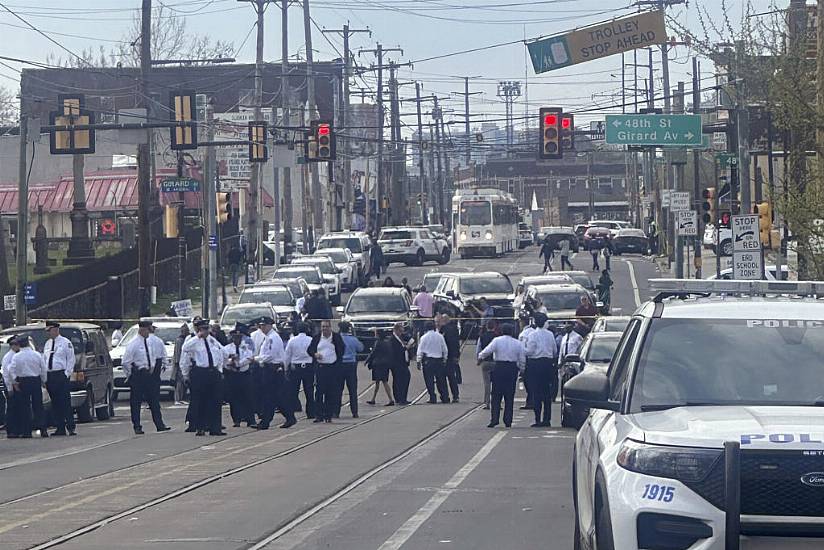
258, 150
71, 142
184, 133
551, 144
224, 207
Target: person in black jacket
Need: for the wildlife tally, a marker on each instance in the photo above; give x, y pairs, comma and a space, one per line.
449, 330
327, 350
547, 253
399, 365
379, 362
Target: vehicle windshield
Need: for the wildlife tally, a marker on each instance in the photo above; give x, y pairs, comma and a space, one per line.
276, 297
730, 362
557, 301
431, 281
248, 315
365, 303
396, 236
326, 267
601, 350
494, 285
338, 256
352, 243
476, 213
605, 225
614, 325
39, 337
165, 333
310, 275
583, 280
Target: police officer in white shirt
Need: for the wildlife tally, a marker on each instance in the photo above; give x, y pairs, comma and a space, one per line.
158, 348
138, 364
510, 357
542, 368
270, 359
432, 352
301, 368
12, 408
28, 374
527, 376
327, 348
570, 343
206, 360
237, 378
58, 353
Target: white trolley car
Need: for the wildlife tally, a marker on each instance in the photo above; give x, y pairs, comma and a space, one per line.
485, 221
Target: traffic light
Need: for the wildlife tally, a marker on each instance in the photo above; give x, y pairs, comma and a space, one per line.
258, 151
567, 133
182, 109
764, 211
224, 207
71, 142
551, 133
708, 206
170, 225
321, 146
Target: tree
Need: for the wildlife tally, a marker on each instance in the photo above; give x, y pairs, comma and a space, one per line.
9, 108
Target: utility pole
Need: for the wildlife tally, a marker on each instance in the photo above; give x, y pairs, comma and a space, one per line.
144, 179
696, 167
679, 186
288, 212
348, 193
209, 302
312, 114
437, 116
22, 225
466, 93
424, 188
432, 184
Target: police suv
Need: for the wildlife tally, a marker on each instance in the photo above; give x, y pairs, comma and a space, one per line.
707, 431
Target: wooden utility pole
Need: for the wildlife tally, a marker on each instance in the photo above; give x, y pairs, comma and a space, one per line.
312, 114
253, 226
288, 212
144, 174
22, 224
819, 81
466, 93
696, 170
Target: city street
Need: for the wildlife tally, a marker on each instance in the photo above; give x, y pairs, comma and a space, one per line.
415, 477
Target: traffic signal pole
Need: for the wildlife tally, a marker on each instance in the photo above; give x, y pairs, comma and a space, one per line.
144, 175
698, 244
22, 224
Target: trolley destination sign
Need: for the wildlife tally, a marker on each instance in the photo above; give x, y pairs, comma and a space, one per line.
597, 41
673, 130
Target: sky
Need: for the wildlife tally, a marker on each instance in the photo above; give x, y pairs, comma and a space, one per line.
424, 29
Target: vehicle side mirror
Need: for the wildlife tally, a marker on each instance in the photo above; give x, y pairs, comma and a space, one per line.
572, 358
591, 389
339, 309
89, 346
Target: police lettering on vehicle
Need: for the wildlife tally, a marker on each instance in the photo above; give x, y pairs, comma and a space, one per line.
784, 323
749, 439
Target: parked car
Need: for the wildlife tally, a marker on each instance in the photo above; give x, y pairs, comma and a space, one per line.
439, 232
92, 383
525, 237
309, 273
596, 237
345, 261
245, 313
629, 241
613, 225
560, 300
557, 234
612, 323
708, 240
378, 308
330, 273
596, 353
554, 278
412, 246
580, 229
725, 245
458, 295
167, 329
431, 280
277, 295
358, 243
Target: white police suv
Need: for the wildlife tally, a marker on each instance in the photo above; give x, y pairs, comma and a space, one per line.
707, 431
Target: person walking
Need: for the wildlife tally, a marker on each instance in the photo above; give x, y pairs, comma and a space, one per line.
604, 288
58, 353
586, 312
379, 363
237, 379
349, 366
377, 259
301, 367
547, 253
12, 408
540, 353
425, 303
399, 364
270, 357
117, 334
139, 363
177, 376
449, 330
204, 371
235, 258
594, 251
28, 373
564, 245
509, 357
327, 349
486, 336
432, 353
607, 251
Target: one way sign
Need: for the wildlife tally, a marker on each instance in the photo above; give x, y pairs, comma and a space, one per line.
745, 235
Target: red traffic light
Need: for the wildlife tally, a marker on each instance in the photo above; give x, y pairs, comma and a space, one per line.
566, 123
323, 130
551, 120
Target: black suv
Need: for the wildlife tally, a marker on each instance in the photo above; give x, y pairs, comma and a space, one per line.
92, 382
377, 308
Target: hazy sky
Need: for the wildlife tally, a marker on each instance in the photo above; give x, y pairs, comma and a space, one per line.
423, 28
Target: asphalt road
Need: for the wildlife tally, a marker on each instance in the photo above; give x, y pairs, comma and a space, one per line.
415, 477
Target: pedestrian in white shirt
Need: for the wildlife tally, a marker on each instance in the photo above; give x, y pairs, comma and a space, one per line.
58, 353
28, 374
570, 343
204, 371
301, 366
11, 408
527, 375
270, 357
138, 364
432, 353
540, 353
509, 357
238, 379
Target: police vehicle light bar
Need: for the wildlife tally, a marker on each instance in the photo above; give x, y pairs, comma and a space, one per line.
723, 286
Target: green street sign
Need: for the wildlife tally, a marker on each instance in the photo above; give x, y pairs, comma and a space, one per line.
179, 185
679, 130
727, 160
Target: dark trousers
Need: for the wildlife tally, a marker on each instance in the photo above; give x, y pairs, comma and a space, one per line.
434, 375
306, 376
453, 373
548, 264
595, 266
270, 382
528, 378
504, 380
349, 378
325, 391
565, 262
29, 405
238, 392
57, 385
206, 405
144, 387
286, 398
13, 413
400, 382
544, 371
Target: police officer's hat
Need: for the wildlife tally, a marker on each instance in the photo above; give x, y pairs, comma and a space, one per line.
266, 321
203, 323
540, 319
240, 328
52, 324
144, 324
14, 340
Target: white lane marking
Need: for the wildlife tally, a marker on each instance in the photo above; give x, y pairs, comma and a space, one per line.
405, 532
634, 283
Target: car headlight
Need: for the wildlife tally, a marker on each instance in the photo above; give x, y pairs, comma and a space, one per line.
488, 235
463, 235
681, 463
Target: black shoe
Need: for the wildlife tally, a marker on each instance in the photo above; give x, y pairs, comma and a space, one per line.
217, 433
445, 401
252, 425
138, 431
508, 425
355, 415
200, 432
486, 407
72, 432
57, 433
492, 424
236, 425
28, 436
455, 400
432, 401
328, 420
390, 404
546, 424
164, 428
190, 429
525, 407
288, 423
263, 426
13, 436
370, 402
537, 425
317, 421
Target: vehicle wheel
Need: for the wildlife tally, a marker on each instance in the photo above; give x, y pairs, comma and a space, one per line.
603, 524
104, 413
444, 257
85, 413
726, 247
420, 257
